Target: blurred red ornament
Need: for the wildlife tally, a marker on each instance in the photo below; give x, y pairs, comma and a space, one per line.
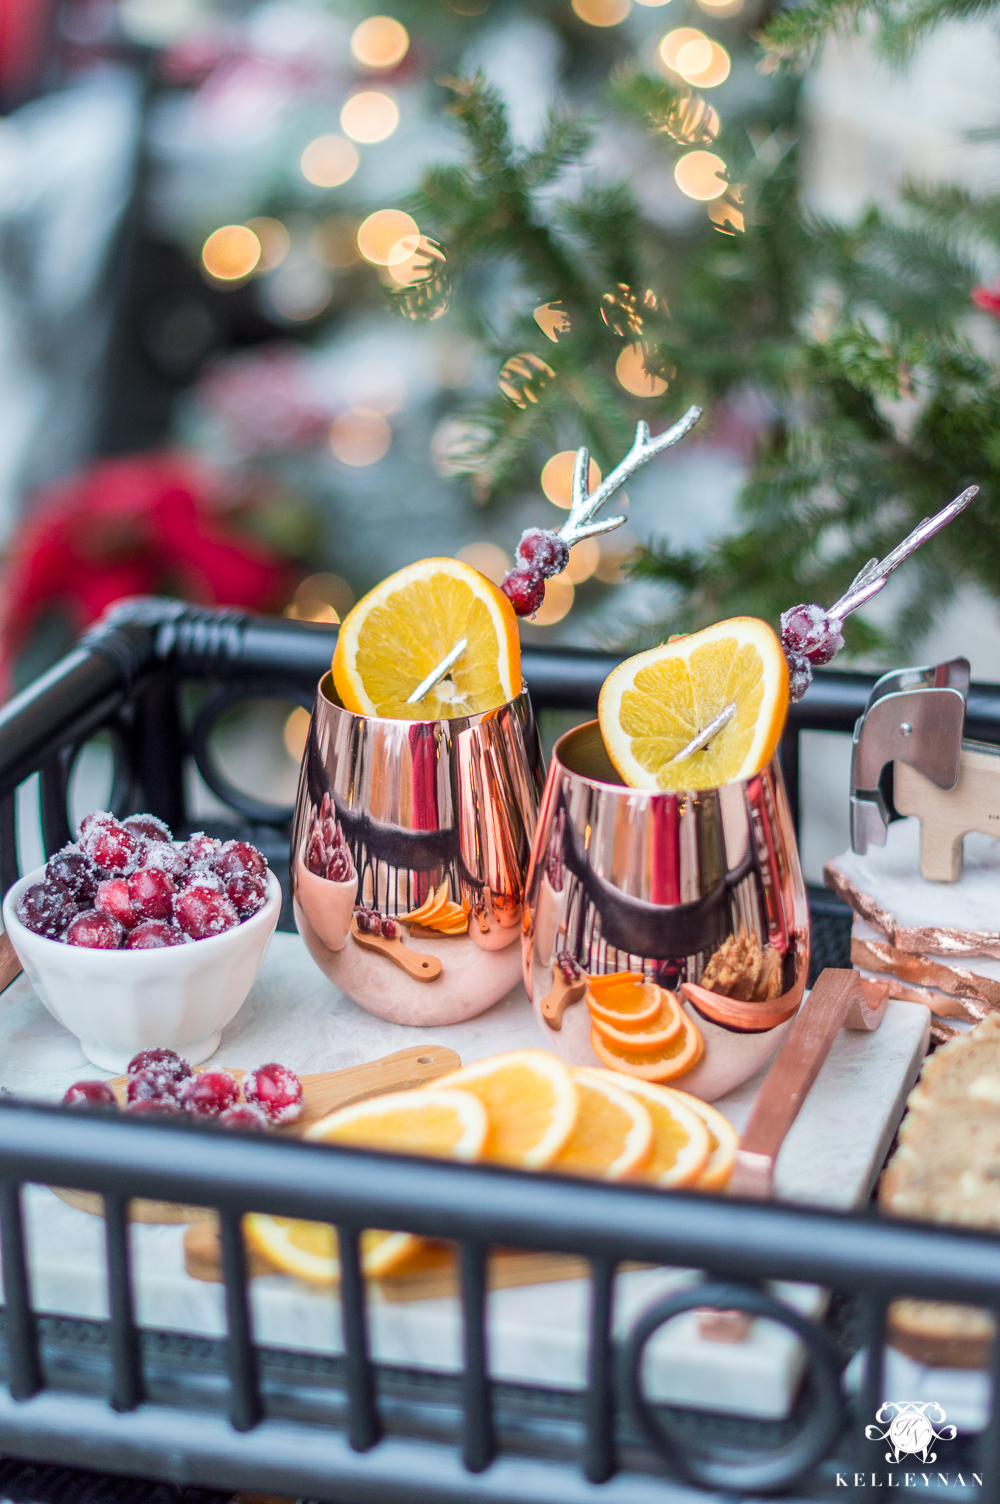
140, 525
988, 299
265, 401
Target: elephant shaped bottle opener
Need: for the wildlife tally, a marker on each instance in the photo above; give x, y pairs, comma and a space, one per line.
913, 722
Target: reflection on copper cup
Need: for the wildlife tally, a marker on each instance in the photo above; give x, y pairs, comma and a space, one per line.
418, 804
659, 883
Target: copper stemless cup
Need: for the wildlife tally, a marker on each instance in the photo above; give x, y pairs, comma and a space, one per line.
419, 803
625, 880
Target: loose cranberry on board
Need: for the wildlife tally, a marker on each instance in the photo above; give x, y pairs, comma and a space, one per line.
243, 1115
276, 1090
90, 1094
209, 1092
159, 1058
152, 1085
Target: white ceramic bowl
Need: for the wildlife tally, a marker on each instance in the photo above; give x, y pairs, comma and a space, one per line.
118, 1002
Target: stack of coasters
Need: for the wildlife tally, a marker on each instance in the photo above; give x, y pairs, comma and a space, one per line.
939, 942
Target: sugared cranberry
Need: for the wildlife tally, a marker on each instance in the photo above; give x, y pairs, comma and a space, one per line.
148, 827
158, 1058
75, 871
111, 846
799, 676
96, 817
238, 857
46, 908
202, 912
276, 1090
525, 589
200, 848
152, 1085
113, 898
160, 856
340, 868
154, 1107
389, 929
246, 892
154, 934
243, 1115
367, 921
209, 1093
90, 1094
542, 549
151, 892
95, 931
567, 966
810, 632
316, 854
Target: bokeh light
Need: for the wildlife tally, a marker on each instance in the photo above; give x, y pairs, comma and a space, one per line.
558, 602
617, 550
297, 733
721, 7
557, 478
306, 610
334, 242
602, 13
359, 436
699, 174
231, 253
489, 558
275, 242
413, 260
584, 558
553, 320
703, 63
299, 290
329, 161
383, 236
652, 3
380, 42
630, 368
523, 377
369, 116
321, 592
672, 43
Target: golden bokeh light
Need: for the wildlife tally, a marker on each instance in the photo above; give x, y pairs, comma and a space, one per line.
489, 558
360, 437
616, 552
275, 242
557, 478
630, 368
369, 116
307, 610
721, 7
602, 12
331, 591
652, 3
523, 377
334, 242
672, 43
553, 320
231, 253
620, 310
584, 558
558, 602
700, 174
329, 161
413, 259
383, 233
726, 217
380, 42
297, 733
703, 63
690, 122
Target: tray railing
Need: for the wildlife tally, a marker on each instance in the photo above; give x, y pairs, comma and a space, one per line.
357, 1430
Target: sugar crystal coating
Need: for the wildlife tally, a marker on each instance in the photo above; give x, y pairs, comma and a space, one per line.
202, 913
148, 826
46, 908
243, 1115
542, 549
95, 931
209, 1092
152, 1085
155, 934
75, 871
113, 898
159, 1058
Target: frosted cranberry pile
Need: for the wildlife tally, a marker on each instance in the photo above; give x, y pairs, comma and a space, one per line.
327, 852
161, 1082
371, 922
124, 885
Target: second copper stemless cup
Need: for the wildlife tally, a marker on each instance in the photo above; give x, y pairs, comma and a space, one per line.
626, 880
420, 803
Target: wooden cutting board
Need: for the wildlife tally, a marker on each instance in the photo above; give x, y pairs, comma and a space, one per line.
323, 1093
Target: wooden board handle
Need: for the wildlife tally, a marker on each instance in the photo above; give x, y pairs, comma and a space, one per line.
415, 963
414, 1066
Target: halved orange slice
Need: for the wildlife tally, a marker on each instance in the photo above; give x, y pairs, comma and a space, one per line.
723, 1141
621, 998
309, 1249
400, 631
647, 1035
681, 1144
671, 1060
652, 705
613, 1135
430, 1120
531, 1101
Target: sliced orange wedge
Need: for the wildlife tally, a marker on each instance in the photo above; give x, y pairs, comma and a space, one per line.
613, 1135
309, 1249
430, 1120
400, 631
678, 1055
723, 1141
623, 999
531, 1101
681, 1144
651, 706
439, 912
647, 1034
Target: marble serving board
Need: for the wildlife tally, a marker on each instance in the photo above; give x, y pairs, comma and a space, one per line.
537, 1333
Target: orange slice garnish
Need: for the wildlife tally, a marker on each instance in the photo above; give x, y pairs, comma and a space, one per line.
430, 1120
681, 1146
531, 1101
613, 1135
652, 705
309, 1251
399, 632
441, 913
723, 1141
625, 997
647, 1034
673, 1059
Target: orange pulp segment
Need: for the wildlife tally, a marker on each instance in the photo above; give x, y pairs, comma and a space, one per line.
613, 1135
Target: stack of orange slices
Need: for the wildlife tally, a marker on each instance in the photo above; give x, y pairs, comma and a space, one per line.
440, 912
640, 1029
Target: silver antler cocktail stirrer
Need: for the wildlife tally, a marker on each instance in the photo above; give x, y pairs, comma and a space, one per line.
436, 674
870, 580
578, 524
